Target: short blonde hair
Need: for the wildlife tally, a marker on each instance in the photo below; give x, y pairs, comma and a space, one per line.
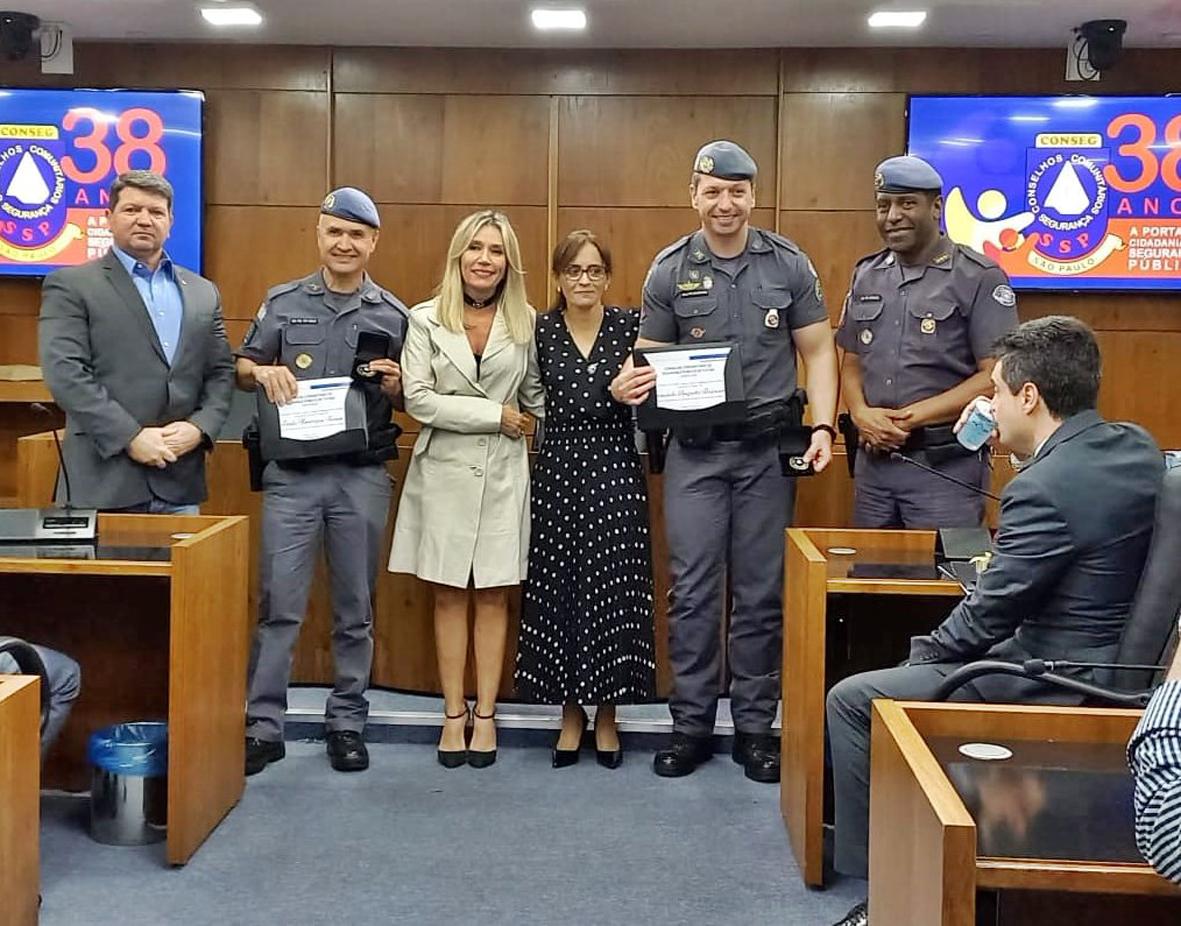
511, 301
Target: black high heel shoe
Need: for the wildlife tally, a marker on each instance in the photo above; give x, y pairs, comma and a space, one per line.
609, 758
454, 758
564, 758
481, 758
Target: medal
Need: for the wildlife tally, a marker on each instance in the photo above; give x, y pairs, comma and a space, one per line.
771, 319
708, 282
303, 361
866, 336
927, 326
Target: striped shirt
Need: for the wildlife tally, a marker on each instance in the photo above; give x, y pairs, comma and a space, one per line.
1155, 757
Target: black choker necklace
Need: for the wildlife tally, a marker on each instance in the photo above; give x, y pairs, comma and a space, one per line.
478, 303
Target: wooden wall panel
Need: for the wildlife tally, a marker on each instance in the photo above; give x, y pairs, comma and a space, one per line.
409, 258
186, 66
443, 149
834, 241
249, 249
967, 70
20, 296
635, 237
831, 144
266, 148
18, 338
616, 151
568, 71
1138, 370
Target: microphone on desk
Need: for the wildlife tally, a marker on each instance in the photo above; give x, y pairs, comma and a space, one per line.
895, 455
61, 457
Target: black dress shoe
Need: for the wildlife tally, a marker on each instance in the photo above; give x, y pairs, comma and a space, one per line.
347, 752
481, 758
453, 758
261, 753
858, 916
758, 754
682, 756
564, 758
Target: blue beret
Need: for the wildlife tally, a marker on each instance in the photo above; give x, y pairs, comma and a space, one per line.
348, 202
906, 174
726, 161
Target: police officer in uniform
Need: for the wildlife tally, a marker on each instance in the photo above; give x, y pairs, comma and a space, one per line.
306, 329
918, 325
726, 499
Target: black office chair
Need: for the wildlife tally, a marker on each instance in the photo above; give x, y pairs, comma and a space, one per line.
1148, 636
29, 662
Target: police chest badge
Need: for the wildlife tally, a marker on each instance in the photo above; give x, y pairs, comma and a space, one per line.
707, 283
1005, 296
303, 361
697, 332
866, 336
771, 319
927, 326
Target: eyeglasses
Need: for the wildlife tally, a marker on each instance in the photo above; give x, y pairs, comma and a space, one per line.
596, 273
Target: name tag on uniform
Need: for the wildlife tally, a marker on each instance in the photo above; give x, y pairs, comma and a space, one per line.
869, 297
686, 293
303, 321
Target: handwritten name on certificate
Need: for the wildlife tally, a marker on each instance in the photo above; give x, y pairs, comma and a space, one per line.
317, 411
688, 380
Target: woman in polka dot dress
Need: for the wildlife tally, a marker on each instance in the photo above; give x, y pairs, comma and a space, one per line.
586, 618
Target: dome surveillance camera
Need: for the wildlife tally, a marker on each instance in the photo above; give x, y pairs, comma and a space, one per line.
1105, 41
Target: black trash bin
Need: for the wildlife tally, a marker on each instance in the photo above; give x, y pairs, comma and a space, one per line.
129, 784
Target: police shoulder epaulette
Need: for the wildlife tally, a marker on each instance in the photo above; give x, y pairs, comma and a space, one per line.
282, 288
976, 257
677, 245
778, 240
870, 258
390, 299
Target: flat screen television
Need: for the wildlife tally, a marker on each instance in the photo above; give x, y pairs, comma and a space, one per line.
1065, 192
60, 150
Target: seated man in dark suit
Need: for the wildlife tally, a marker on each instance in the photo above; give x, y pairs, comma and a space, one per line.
1074, 531
1155, 757
64, 684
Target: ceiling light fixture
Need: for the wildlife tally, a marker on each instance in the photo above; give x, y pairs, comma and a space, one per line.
549, 20
238, 15
897, 19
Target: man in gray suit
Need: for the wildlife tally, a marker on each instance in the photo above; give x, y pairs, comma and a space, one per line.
134, 350
1074, 531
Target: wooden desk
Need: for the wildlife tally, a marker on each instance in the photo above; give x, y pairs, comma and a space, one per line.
17, 418
1036, 826
812, 574
20, 809
158, 624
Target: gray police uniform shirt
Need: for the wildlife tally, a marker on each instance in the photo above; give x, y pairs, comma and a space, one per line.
754, 300
314, 332
920, 331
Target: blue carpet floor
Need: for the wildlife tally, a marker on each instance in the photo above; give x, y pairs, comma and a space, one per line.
411, 842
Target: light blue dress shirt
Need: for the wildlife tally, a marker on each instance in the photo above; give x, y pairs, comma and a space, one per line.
160, 292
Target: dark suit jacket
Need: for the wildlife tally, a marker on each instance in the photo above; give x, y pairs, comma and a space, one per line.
1074, 531
103, 362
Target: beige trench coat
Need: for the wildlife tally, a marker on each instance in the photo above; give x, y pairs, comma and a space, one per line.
464, 511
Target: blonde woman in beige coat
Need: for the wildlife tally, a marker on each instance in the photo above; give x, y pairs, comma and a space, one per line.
469, 372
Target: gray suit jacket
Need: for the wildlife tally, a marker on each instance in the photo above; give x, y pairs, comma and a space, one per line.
1074, 532
103, 362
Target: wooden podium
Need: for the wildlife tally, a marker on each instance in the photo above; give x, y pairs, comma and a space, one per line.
20, 810
1050, 827
156, 615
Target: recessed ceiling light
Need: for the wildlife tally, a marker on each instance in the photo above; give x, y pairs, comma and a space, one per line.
897, 19
238, 15
558, 19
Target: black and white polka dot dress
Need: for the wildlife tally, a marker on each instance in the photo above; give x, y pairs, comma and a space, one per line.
586, 616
